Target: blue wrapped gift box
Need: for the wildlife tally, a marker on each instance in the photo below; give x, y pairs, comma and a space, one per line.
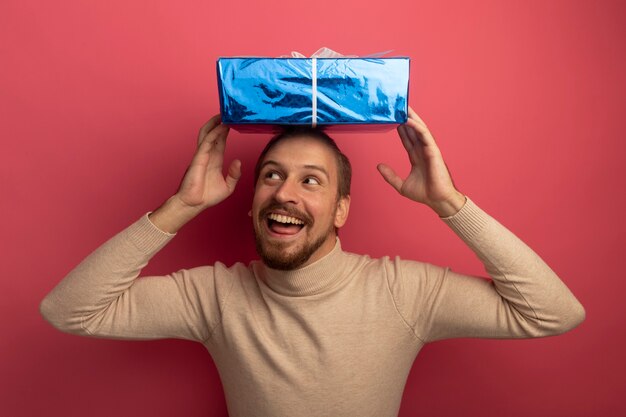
353, 94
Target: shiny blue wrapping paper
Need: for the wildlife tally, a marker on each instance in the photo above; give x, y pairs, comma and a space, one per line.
353, 94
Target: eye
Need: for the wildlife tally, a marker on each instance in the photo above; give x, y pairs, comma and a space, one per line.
272, 175
311, 181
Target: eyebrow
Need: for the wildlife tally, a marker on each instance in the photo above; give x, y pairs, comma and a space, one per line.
307, 166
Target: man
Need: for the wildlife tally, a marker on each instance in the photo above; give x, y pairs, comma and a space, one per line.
312, 330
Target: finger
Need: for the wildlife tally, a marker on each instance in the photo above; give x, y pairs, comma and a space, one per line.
390, 176
419, 132
220, 138
215, 138
413, 115
419, 122
208, 126
419, 125
234, 173
205, 154
404, 138
408, 143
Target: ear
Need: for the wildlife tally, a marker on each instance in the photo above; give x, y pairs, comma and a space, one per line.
343, 208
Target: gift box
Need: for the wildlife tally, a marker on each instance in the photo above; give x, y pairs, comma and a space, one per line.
349, 94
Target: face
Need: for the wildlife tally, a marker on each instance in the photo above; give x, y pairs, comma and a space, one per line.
295, 209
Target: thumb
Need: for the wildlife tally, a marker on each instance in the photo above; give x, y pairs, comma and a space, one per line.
390, 176
234, 173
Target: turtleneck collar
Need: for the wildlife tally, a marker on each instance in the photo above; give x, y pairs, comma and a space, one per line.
312, 279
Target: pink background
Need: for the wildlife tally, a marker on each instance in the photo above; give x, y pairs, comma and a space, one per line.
100, 106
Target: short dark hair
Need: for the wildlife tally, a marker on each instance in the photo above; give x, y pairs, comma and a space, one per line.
344, 169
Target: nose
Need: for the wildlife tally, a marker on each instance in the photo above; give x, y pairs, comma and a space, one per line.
286, 193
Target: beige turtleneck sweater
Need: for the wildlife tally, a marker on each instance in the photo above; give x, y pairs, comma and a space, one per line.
336, 338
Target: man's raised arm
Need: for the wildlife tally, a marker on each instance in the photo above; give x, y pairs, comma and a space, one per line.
525, 299
102, 297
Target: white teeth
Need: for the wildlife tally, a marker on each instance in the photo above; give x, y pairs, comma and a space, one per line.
284, 219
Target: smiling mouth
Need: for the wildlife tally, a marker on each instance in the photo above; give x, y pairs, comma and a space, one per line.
283, 224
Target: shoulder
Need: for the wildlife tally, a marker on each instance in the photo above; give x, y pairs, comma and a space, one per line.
395, 269
387, 262
219, 276
218, 269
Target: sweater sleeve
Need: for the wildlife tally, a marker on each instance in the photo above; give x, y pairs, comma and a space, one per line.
524, 297
102, 296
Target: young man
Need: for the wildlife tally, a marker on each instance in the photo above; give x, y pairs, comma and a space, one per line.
312, 330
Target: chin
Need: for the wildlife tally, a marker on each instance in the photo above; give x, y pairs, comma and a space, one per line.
281, 257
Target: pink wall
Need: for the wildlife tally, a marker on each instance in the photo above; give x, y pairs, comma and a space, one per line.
100, 103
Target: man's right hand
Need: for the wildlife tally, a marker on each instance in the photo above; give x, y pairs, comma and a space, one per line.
203, 185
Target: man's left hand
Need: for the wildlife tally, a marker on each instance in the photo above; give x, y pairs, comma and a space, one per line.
429, 181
